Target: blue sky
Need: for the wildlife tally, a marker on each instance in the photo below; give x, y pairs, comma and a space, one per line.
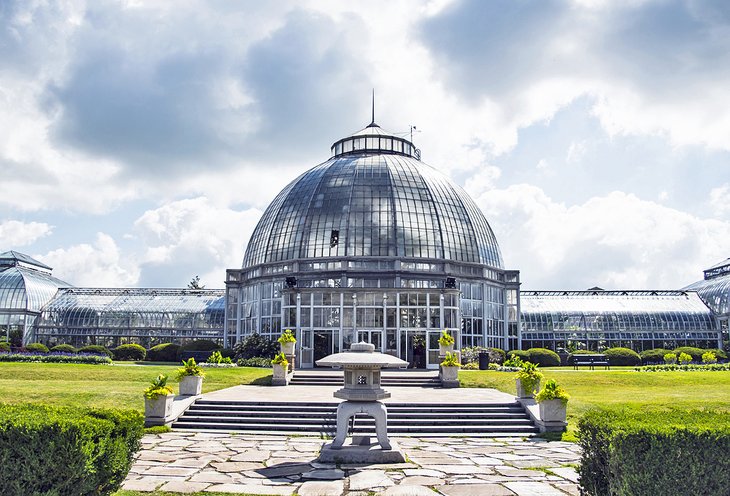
141, 140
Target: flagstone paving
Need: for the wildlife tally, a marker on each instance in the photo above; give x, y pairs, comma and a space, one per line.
187, 462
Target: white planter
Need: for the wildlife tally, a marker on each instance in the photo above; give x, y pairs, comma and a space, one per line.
191, 385
449, 373
158, 408
444, 349
280, 375
553, 411
287, 348
521, 393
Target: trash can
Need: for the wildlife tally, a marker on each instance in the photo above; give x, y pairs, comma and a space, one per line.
483, 360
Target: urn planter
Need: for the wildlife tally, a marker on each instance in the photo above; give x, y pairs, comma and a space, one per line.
449, 376
287, 348
521, 393
553, 411
191, 385
280, 375
159, 408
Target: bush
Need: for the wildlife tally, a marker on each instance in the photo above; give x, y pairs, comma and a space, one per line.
228, 353
633, 452
198, 345
720, 354
63, 348
37, 348
622, 356
55, 358
96, 349
497, 355
695, 353
655, 356
522, 355
4, 346
256, 345
65, 451
255, 362
165, 352
543, 357
130, 352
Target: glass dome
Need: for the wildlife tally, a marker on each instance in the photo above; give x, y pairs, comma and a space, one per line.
715, 288
373, 198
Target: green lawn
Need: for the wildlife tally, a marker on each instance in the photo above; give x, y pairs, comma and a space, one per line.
621, 386
118, 385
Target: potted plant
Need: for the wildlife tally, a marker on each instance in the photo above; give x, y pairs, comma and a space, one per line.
528, 380
553, 401
158, 398
190, 376
450, 370
446, 343
280, 365
286, 341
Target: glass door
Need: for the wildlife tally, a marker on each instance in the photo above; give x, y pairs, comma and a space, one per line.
432, 349
372, 337
306, 352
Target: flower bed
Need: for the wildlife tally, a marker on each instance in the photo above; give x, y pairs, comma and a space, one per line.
56, 358
713, 367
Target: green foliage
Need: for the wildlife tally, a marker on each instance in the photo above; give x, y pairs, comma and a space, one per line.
653, 356
622, 356
228, 353
552, 391
673, 367
256, 345
255, 362
513, 361
287, 337
157, 429
158, 387
47, 358
189, 368
473, 365
633, 452
543, 357
200, 345
709, 357
497, 355
695, 353
64, 348
4, 346
446, 339
165, 352
95, 349
670, 358
529, 376
217, 358
61, 451
685, 358
522, 355
720, 354
37, 348
130, 352
450, 360
470, 354
280, 359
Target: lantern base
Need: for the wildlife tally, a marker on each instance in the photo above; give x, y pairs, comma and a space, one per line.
361, 454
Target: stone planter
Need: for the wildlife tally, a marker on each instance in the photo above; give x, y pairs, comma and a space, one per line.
287, 348
191, 385
159, 408
449, 376
553, 411
521, 393
444, 349
280, 375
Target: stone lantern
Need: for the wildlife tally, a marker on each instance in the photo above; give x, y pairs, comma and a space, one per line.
362, 393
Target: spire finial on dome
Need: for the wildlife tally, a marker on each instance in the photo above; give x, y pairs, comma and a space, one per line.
372, 121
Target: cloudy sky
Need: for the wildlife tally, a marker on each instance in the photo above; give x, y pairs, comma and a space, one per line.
140, 140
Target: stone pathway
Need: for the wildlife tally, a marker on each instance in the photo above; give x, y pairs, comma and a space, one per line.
189, 462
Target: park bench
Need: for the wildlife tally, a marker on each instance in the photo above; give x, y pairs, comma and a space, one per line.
590, 360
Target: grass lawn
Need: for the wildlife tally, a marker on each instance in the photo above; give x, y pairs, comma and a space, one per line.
621, 386
118, 385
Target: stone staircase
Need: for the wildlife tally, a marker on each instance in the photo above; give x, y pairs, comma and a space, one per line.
314, 377
404, 419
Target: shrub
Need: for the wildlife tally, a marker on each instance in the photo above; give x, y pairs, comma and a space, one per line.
670, 358
720, 354
450, 360
189, 368
63, 348
280, 359
709, 357
497, 355
287, 337
473, 366
529, 376
228, 353
446, 339
130, 352
198, 345
55, 358
4, 346
158, 387
256, 345
96, 349
522, 355
37, 348
217, 358
255, 362
165, 352
65, 451
684, 358
710, 367
544, 357
695, 353
622, 356
627, 451
552, 391
653, 356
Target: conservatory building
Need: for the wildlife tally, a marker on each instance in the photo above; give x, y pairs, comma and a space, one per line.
374, 245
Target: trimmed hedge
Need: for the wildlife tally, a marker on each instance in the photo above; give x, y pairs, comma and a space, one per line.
256, 345
631, 452
255, 362
4, 346
695, 353
165, 352
543, 357
63, 348
522, 355
37, 348
198, 345
96, 349
622, 356
720, 354
655, 356
129, 352
55, 358
63, 451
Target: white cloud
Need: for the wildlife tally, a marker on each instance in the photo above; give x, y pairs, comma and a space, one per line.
100, 264
720, 200
15, 233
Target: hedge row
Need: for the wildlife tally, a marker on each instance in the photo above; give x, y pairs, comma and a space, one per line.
540, 356
55, 358
630, 452
63, 451
656, 356
711, 367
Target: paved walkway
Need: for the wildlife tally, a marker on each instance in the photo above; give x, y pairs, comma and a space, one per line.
276, 465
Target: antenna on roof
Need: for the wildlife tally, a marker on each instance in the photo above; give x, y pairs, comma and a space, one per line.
372, 122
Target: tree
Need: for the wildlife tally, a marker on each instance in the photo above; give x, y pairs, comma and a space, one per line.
195, 283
